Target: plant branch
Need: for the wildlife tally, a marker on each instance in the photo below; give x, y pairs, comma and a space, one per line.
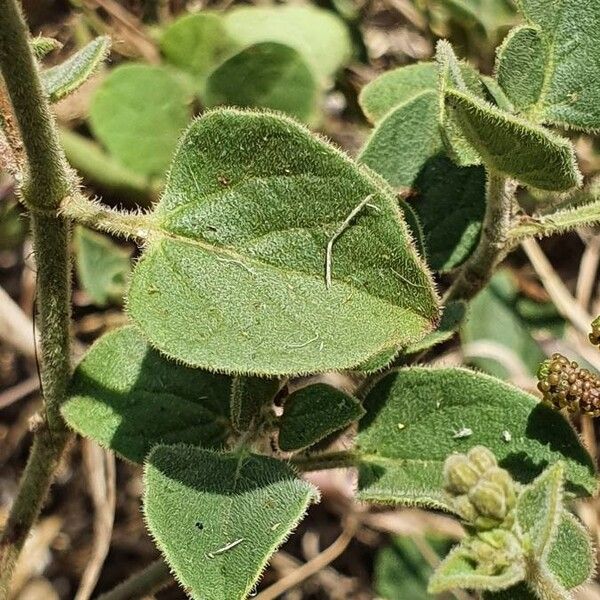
99, 216
153, 578
46, 181
493, 244
330, 460
557, 222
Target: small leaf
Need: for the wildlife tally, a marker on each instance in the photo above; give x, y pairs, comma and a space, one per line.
402, 572
103, 267
42, 46
63, 79
404, 140
550, 68
248, 396
138, 113
450, 203
129, 398
460, 569
571, 556
233, 277
218, 518
416, 417
396, 87
539, 510
513, 146
196, 43
313, 412
318, 35
265, 75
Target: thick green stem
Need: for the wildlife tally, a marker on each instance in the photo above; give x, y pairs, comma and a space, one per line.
153, 578
330, 460
46, 182
493, 244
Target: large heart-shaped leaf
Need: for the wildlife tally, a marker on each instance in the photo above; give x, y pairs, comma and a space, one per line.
234, 273
265, 75
138, 113
129, 398
218, 518
416, 417
550, 68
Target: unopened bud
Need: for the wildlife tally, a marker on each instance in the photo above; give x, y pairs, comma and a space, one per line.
464, 507
503, 478
459, 474
489, 499
481, 458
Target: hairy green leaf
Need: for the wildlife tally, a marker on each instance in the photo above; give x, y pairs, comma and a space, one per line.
401, 570
265, 75
396, 87
218, 518
233, 276
404, 140
196, 43
103, 267
248, 396
129, 398
450, 204
550, 68
313, 412
571, 556
416, 417
63, 79
513, 146
318, 35
138, 113
539, 510
41, 46
461, 570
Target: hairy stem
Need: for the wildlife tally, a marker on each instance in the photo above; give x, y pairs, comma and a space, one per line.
153, 578
557, 222
330, 460
99, 216
47, 180
493, 243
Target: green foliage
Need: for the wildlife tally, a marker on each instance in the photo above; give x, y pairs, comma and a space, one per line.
513, 146
103, 267
138, 113
42, 46
318, 35
550, 68
128, 398
416, 417
508, 333
196, 43
401, 571
13, 226
313, 412
539, 510
218, 518
64, 79
265, 75
450, 204
248, 396
224, 271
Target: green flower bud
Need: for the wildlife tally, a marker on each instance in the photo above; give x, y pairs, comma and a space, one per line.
464, 507
481, 458
459, 474
503, 478
489, 499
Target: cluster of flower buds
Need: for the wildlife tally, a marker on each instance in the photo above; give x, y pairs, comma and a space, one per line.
565, 384
482, 493
495, 550
595, 335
